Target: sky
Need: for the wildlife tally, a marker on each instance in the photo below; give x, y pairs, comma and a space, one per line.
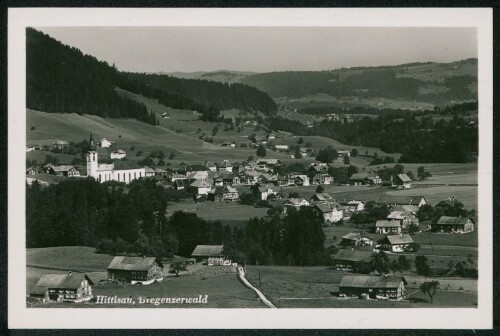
265, 49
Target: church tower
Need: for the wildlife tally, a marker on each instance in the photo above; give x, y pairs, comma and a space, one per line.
92, 164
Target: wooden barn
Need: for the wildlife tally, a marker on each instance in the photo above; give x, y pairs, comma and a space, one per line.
396, 243
136, 270
453, 225
352, 260
385, 287
67, 287
210, 254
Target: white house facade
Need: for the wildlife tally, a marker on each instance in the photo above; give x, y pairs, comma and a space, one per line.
108, 172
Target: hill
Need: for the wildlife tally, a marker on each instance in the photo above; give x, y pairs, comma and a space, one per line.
224, 76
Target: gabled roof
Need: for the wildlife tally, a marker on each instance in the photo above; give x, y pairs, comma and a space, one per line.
353, 255
372, 281
323, 207
404, 178
200, 184
269, 161
352, 236
209, 164
192, 168
406, 208
208, 251
397, 215
68, 280
133, 263
445, 220
197, 175
386, 223
119, 151
451, 202
230, 189
322, 197
225, 164
398, 239
266, 187
358, 176
296, 201
149, 170
62, 168
61, 142
400, 200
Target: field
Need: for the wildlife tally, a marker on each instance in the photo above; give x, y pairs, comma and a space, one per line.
312, 287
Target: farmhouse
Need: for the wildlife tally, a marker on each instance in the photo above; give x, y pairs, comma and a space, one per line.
356, 239
352, 260
364, 179
211, 166
149, 171
219, 194
268, 163
453, 225
322, 178
353, 206
401, 200
121, 171
199, 175
391, 287
181, 184
200, 187
268, 190
321, 198
331, 211
174, 177
118, 154
404, 218
295, 203
105, 143
448, 204
210, 254
301, 180
136, 270
64, 170
63, 288
396, 243
387, 227
401, 181
60, 144
190, 169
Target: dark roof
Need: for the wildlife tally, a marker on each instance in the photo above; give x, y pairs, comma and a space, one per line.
208, 251
451, 202
398, 239
126, 164
67, 280
133, 263
400, 200
371, 281
386, 223
445, 220
353, 255
323, 207
191, 168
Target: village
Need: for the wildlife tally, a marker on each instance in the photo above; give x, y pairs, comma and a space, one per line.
374, 252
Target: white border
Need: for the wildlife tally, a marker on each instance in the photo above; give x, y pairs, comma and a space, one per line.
21, 317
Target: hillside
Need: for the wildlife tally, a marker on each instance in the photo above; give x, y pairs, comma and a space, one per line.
224, 76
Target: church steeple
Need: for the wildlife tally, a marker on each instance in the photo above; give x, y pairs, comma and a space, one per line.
91, 141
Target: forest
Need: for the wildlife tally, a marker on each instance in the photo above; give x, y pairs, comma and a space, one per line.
61, 79
119, 219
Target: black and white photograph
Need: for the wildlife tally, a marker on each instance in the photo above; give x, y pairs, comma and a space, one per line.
336, 164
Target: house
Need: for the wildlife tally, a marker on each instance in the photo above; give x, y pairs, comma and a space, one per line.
118, 154
160, 172
121, 171
282, 181
136, 270
210, 254
393, 201
149, 171
401, 181
190, 169
60, 145
181, 184
352, 260
353, 206
342, 153
175, 176
219, 194
268, 190
356, 239
281, 147
228, 144
230, 179
396, 243
67, 287
225, 166
405, 218
211, 166
364, 179
389, 287
252, 176
268, 163
322, 198
453, 225
331, 212
200, 187
218, 182
271, 136
448, 204
198, 175
295, 203
105, 143
301, 180
387, 227
30, 148
31, 171
65, 170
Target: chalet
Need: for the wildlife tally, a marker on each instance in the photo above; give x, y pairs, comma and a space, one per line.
301, 180
281, 147
252, 176
104, 143
353, 206
389, 287
118, 154
396, 243
136, 270
210, 166
352, 260
219, 194
200, 187
64, 170
322, 198
60, 145
356, 239
271, 136
317, 168
189, 169
67, 287
231, 144
31, 171
295, 203
268, 190
174, 177
268, 163
322, 178
401, 181
282, 181
364, 179
198, 175
404, 218
331, 212
160, 172
149, 171
225, 166
448, 204
230, 179
268, 178
181, 184
218, 182
387, 227
406, 208
210, 254
453, 225
342, 153
393, 201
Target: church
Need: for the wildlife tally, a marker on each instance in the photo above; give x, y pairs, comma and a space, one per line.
120, 171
